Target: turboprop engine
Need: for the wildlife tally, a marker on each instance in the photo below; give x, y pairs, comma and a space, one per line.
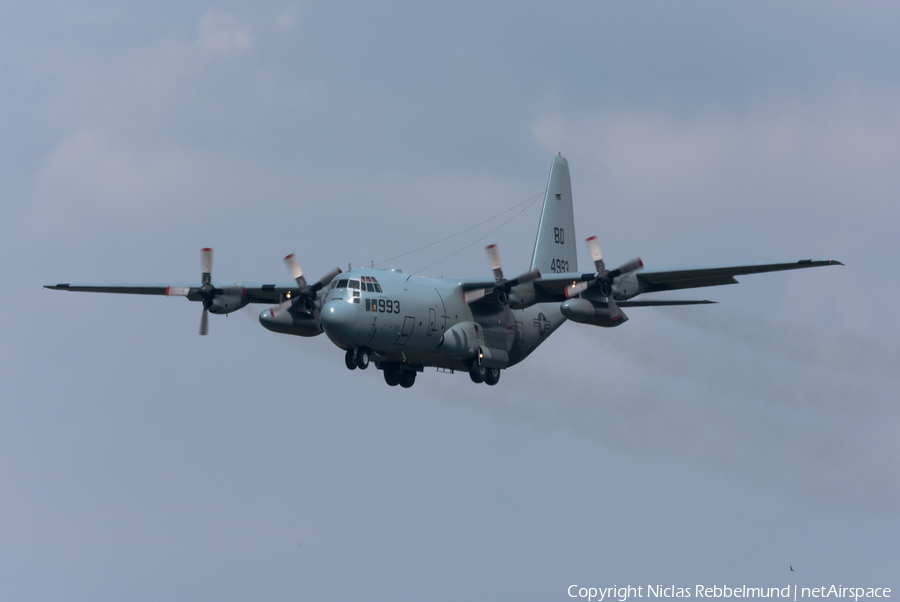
298, 315
231, 298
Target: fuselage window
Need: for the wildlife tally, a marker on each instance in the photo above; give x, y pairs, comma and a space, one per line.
342, 283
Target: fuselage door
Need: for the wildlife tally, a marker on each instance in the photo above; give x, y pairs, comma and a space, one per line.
408, 323
432, 320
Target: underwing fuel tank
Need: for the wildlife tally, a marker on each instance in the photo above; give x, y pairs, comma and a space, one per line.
596, 313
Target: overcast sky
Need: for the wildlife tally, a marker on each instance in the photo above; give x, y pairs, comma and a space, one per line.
697, 445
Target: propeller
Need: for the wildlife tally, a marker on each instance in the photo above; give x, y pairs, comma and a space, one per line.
308, 293
207, 291
604, 277
502, 287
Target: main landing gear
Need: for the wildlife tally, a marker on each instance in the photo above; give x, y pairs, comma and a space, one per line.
394, 375
480, 374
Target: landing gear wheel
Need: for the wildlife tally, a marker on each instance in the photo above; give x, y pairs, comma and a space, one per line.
477, 372
392, 375
362, 359
407, 379
350, 360
492, 376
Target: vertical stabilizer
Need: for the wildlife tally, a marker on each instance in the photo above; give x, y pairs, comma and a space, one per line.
554, 249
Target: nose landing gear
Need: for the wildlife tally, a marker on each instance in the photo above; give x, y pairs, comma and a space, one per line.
357, 358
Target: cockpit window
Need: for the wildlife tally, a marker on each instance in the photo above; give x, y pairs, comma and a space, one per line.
333, 284
354, 284
377, 288
370, 288
342, 283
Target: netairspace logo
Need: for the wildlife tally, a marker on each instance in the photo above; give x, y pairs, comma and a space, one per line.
622, 594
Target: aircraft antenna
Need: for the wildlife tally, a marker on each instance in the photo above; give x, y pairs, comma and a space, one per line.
530, 201
475, 241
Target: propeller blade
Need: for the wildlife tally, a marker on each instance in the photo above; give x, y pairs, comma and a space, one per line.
573, 290
204, 323
474, 295
326, 279
494, 257
523, 278
282, 307
628, 266
206, 265
294, 269
615, 314
593, 246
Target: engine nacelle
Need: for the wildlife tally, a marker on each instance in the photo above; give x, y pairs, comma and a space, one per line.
596, 313
297, 323
523, 296
232, 299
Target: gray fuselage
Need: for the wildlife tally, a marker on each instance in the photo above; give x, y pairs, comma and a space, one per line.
421, 321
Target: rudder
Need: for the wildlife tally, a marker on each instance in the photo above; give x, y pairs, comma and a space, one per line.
554, 248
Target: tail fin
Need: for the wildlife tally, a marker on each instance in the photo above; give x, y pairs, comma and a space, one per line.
554, 249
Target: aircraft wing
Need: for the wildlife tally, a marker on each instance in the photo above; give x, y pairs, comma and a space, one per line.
553, 286
470, 284
255, 292
672, 279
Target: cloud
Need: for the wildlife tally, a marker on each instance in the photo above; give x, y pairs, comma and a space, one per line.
787, 408
287, 20
88, 171
842, 149
222, 35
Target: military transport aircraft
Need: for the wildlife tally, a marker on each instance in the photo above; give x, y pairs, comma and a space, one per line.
404, 323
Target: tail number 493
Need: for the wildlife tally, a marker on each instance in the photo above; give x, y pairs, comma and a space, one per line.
559, 266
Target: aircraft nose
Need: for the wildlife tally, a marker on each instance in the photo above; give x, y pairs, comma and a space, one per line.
340, 321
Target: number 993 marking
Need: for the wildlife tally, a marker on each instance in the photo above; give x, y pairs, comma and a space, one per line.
388, 306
